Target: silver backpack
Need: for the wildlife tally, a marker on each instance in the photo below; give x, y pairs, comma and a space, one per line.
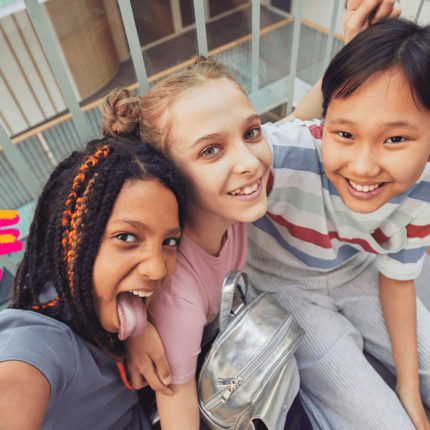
249, 377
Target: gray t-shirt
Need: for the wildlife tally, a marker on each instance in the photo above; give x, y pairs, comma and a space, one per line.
86, 388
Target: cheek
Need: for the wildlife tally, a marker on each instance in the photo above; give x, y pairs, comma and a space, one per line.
269, 157
171, 265
104, 269
264, 153
328, 157
407, 173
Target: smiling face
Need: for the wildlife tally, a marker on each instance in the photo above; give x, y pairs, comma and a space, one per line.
137, 253
217, 142
376, 142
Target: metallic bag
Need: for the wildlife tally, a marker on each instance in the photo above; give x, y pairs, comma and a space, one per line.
249, 377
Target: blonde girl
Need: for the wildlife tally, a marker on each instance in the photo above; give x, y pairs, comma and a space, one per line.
206, 124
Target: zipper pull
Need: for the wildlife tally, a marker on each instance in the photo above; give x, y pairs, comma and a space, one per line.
232, 384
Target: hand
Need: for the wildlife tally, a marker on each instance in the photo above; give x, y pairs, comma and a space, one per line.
360, 14
147, 363
413, 404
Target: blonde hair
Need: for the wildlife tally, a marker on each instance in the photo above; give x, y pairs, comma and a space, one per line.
131, 116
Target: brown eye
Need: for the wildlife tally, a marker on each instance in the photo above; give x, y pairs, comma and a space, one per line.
395, 139
211, 151
252, 133
126, 237
344, 134
171, 241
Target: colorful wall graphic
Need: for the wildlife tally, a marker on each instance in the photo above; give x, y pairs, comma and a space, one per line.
9, 236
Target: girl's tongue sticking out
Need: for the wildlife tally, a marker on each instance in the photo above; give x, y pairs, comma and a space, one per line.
132, 315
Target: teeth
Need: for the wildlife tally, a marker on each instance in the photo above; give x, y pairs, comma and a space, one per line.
245, 190
363, 188
141, 293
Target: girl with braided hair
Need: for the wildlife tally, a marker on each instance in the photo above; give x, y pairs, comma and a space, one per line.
101, 245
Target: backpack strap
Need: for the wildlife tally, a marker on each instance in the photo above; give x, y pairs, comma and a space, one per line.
231, 281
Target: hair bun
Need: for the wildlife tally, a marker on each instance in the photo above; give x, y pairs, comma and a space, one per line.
200, 59
121, 114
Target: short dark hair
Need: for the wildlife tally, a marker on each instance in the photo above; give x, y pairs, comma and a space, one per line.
384, 45
70, 218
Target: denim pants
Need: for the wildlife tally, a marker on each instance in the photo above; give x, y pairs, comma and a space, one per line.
341, 314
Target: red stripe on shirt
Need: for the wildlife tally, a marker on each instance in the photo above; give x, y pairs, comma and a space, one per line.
379, 236
317, 238
418, 230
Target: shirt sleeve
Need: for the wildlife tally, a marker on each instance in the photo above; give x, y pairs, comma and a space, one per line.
295, 144
43, 342
407, 263
180, 324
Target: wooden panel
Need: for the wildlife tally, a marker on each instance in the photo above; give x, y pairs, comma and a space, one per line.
116, 29
84, 34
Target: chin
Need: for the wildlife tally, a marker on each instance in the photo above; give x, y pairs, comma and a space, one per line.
255, 214
363, 209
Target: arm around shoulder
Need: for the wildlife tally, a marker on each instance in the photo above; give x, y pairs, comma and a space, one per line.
24, 395
179, 411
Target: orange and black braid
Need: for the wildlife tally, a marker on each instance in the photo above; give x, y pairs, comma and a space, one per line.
73, 211
68, 225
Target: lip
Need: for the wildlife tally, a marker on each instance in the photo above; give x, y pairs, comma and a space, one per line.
361, 194
252, 196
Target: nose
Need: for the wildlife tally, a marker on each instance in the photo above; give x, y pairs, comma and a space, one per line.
364, 162
246, 161
152, 265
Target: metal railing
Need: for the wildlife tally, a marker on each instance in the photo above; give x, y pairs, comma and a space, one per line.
266, 63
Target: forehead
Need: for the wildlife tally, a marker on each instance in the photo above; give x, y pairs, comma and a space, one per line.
208, 108
147, 201
386, 95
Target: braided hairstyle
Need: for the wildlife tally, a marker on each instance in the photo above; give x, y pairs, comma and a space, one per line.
67, 227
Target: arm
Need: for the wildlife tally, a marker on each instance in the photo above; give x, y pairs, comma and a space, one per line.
310, 106
180, 411
24, 395
398, 303
146, 356
359, 15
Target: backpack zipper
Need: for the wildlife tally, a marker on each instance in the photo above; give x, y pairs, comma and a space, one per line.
233, 383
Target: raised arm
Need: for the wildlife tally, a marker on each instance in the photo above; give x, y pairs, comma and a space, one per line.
359, 15
24, 395
398, 301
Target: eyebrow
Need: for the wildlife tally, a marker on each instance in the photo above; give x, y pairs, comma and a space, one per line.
212, 136
138, 224
386, 124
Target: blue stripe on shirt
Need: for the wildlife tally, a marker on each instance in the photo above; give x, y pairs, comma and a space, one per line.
345, 252
409, 255
285, 157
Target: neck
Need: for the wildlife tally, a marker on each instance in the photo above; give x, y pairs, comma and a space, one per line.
208, 233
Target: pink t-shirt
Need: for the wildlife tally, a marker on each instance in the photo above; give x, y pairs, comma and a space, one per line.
192, 297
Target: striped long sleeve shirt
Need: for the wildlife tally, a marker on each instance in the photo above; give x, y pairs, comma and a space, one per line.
308, 226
